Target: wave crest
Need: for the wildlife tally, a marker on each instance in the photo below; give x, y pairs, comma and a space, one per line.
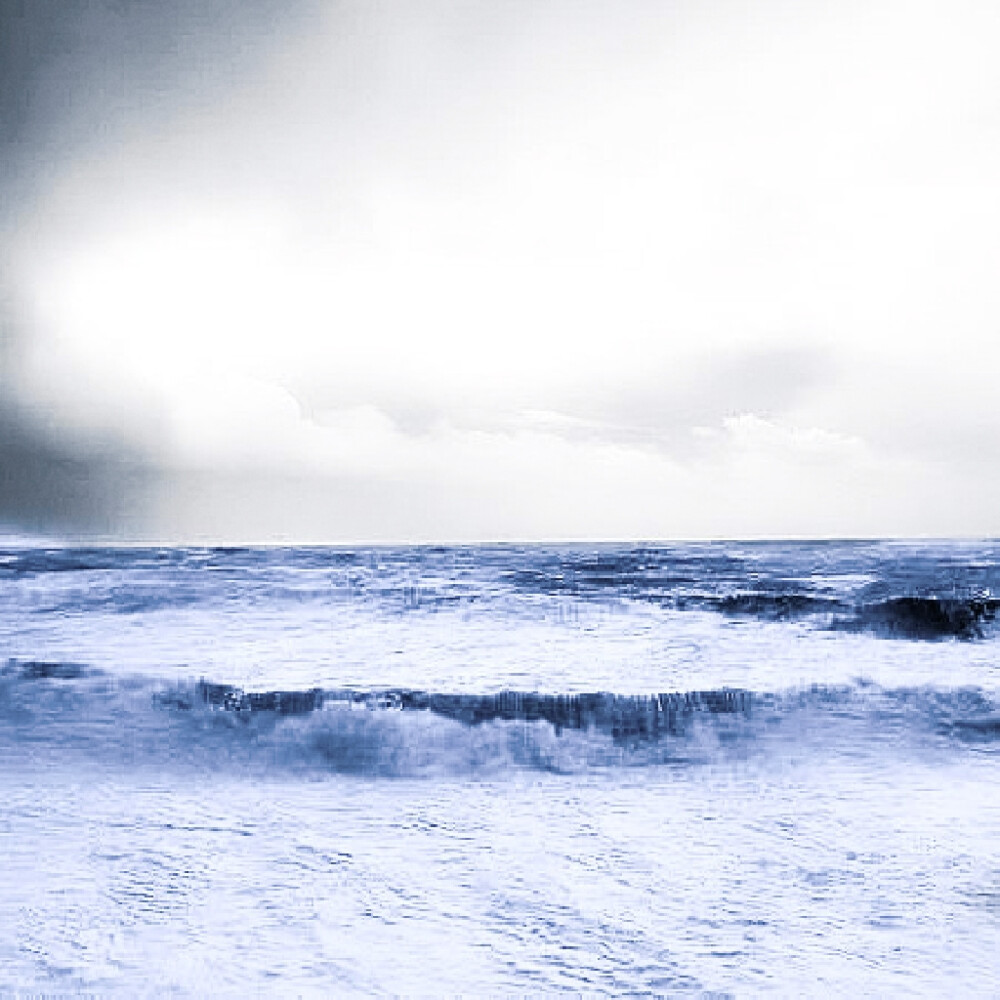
60, 709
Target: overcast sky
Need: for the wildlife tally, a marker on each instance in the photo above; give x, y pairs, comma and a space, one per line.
415, 270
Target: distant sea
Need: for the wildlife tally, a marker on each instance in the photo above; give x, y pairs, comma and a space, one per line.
684, 770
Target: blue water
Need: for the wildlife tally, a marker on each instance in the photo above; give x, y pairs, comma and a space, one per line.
724, 768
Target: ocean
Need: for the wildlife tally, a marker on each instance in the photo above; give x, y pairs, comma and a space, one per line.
715, 769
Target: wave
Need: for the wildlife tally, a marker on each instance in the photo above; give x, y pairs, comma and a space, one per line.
925, 617
906, 617
622, 716
771, 606
911, 592
51, 710
909, 617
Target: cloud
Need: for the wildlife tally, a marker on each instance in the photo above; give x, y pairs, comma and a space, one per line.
662, 407
500, 269
751, 435
47, 484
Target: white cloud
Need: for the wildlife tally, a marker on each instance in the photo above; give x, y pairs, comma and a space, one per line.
748, 434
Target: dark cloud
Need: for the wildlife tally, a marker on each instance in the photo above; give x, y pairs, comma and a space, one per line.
74, 72
75, 77
46, 484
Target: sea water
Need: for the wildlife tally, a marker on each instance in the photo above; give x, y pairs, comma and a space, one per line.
728, 769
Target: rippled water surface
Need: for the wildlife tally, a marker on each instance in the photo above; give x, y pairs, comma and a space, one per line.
729, 769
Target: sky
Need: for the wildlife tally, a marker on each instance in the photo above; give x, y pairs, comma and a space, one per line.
422, 271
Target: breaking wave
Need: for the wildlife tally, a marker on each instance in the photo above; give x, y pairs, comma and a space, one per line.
926, 617
55, 708
909, 617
